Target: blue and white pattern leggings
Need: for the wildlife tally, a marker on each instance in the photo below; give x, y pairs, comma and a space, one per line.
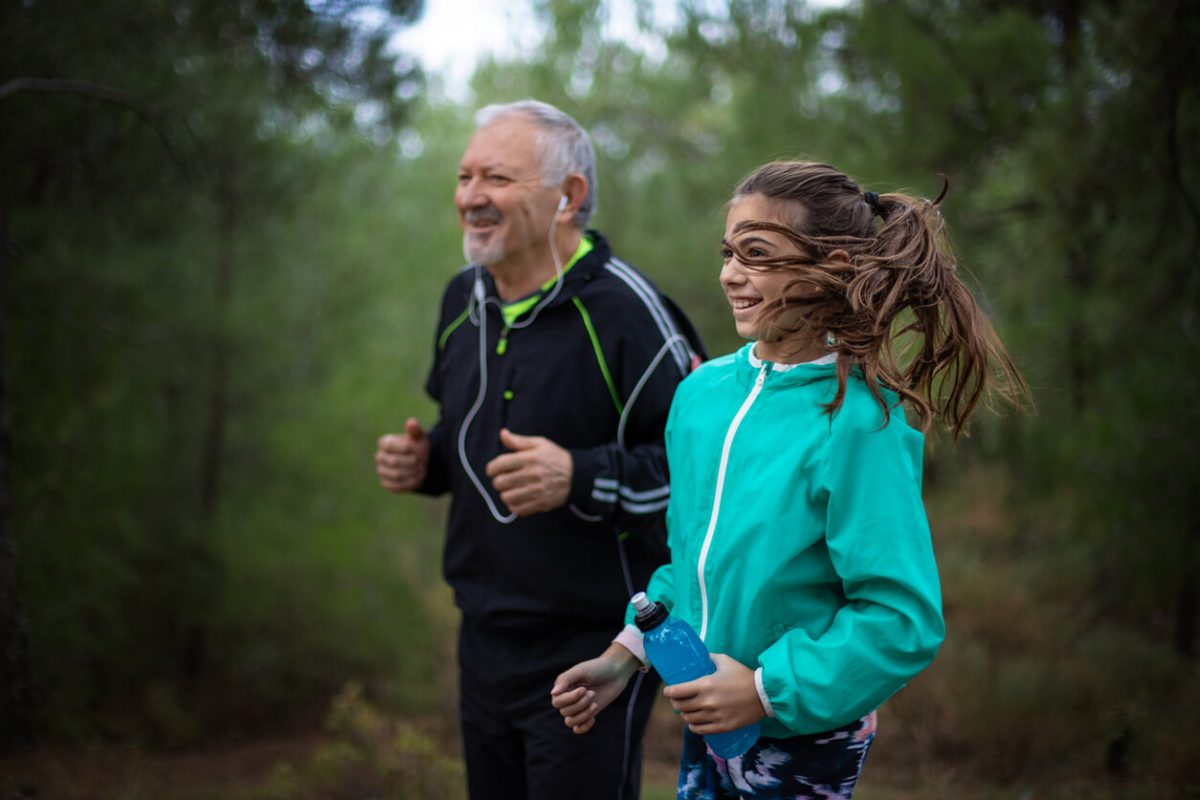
822, 766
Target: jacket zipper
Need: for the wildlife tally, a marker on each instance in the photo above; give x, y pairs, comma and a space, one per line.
716, 509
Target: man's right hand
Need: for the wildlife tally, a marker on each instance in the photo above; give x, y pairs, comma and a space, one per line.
401, 460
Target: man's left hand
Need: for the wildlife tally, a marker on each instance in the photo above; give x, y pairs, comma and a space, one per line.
535, 477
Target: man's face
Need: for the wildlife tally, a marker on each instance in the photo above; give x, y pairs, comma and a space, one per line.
504, 209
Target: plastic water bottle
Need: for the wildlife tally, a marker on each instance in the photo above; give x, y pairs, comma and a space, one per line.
674, 649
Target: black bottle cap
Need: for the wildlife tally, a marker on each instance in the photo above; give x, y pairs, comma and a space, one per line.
649, 615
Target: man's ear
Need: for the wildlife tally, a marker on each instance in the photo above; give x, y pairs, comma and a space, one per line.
575, 189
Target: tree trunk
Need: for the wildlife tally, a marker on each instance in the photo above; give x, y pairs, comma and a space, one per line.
1075, 200
1187, 609
16, 682
193, 637
218, 387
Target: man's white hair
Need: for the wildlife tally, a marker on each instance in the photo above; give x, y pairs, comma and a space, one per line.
563, 144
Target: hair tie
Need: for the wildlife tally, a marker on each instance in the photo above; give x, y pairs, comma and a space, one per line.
873, 201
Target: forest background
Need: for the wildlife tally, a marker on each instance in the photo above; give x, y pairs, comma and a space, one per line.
224, 229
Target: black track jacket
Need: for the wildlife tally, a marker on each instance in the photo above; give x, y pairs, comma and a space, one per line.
567, 376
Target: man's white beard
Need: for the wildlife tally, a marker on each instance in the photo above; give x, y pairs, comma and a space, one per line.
486, 253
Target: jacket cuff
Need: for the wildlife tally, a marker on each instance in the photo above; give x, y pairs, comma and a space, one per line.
589, 492
437, 471
630, 638
762, 693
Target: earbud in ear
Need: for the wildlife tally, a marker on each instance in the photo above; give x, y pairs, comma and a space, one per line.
562, 203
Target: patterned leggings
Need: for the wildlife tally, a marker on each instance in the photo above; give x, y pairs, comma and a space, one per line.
822, 766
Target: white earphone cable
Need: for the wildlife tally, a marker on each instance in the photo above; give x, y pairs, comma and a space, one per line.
477, 313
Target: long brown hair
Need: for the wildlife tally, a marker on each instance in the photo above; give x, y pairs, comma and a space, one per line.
878, 277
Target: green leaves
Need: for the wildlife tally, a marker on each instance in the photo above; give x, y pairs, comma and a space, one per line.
302, 164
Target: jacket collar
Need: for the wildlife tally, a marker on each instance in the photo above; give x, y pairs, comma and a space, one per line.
749, 365
583, 271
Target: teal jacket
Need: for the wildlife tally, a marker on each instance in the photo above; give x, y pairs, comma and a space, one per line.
799, 543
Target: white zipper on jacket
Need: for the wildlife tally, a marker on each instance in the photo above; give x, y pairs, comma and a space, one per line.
716, 509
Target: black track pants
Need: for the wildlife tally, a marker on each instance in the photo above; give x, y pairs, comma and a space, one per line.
515, 743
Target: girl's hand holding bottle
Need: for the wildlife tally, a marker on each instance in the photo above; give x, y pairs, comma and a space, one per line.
723, 701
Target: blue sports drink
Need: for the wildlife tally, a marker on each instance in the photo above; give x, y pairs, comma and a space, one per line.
674, 649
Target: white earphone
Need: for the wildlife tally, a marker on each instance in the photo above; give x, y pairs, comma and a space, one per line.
562, 203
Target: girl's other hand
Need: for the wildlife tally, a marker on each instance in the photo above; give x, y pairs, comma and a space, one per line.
589, 687
722, 701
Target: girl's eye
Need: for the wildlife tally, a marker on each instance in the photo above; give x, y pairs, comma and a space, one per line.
756, 252
726, 254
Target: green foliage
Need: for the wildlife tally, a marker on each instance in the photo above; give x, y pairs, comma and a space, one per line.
371, 755
179, 504
274, 269
1033, 690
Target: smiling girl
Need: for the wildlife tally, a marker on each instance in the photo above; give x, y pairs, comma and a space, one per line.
800, 549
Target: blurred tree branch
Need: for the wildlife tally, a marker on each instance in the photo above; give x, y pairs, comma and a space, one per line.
95, 91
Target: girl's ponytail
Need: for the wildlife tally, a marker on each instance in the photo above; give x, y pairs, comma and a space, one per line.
958, 356
891, 299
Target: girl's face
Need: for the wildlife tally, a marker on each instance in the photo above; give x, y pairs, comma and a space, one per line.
749, 289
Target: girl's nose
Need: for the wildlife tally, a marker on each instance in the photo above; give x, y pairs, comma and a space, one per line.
731, 273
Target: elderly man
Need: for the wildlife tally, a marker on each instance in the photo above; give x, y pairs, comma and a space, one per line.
554, 367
